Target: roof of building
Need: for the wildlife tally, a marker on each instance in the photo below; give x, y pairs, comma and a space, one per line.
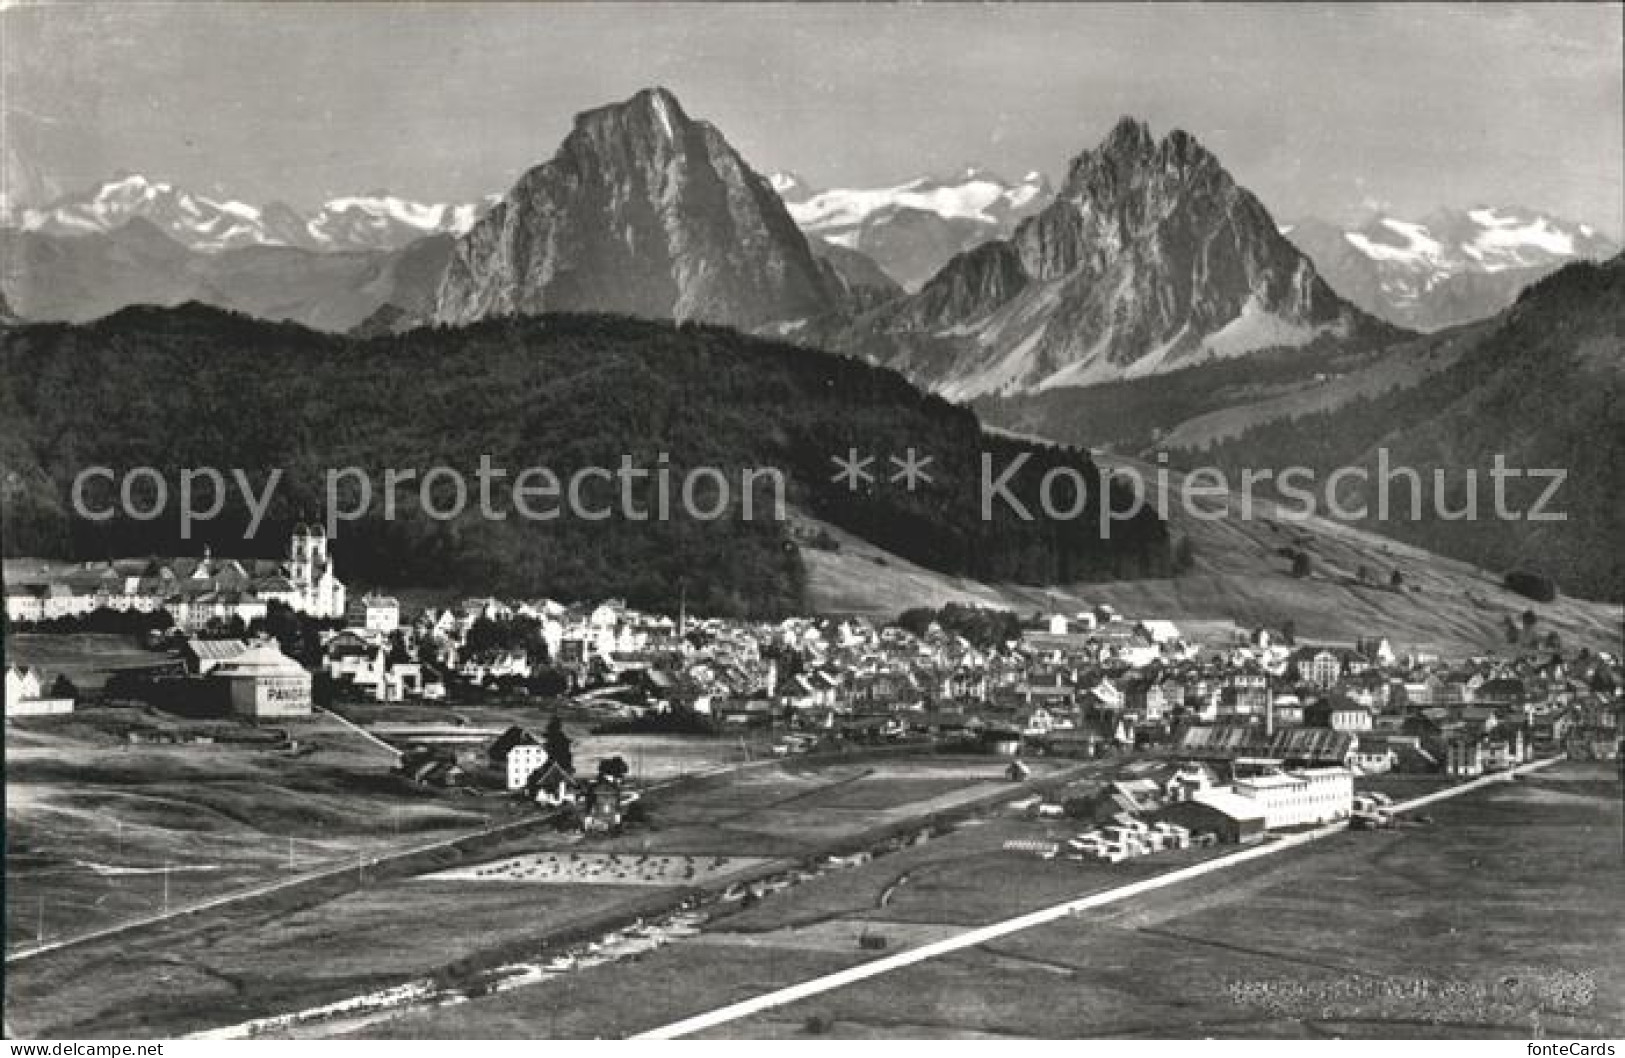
216, 649
1272, 781
1230, 804
1229, 741
263, 659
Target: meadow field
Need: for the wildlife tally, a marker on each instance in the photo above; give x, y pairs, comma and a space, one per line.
1501, 919
438, 919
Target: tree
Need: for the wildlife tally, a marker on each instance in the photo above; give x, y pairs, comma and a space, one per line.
1302, 564
1530, 619
483, 635
399, 652
613, 769
62, 687
1289, 632
224, 628
1364, 575
557, 744
1396, 580
1531, 585
1184, 555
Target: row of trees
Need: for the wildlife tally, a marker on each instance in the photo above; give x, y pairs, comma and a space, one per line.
982, 626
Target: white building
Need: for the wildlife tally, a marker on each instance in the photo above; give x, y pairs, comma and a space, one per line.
26, 694
376, 613
523, 760
23, 682
1311, 795
1159, 632
1323, 670
25, 602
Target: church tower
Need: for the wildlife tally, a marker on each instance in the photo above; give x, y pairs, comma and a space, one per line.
300, 571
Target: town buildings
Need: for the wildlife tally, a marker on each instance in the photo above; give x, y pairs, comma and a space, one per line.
195, 592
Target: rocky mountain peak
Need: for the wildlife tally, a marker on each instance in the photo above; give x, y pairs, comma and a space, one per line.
1150, 258
1129, 138
643, 211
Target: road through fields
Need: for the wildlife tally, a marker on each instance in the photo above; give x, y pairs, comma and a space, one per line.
972, 938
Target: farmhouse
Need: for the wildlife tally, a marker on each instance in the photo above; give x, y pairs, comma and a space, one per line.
27, 694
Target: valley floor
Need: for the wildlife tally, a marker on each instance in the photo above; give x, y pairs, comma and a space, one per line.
1499, 919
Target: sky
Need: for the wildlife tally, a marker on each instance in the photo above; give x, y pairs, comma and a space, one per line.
1326, 111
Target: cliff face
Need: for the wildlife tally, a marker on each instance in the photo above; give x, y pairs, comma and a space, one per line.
643, 211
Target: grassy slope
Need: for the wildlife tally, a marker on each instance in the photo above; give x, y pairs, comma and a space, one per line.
1402, 367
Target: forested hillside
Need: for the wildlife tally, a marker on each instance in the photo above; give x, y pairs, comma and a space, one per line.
1544, 389
197, 387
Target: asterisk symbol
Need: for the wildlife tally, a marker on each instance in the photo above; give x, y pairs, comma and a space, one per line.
854, 469
911, 470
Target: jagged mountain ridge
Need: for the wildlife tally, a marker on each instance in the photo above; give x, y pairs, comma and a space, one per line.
642, 211
1452, 267
1150, 258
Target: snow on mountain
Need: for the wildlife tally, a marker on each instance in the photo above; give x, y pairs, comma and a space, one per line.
975, 195
1451, 267
193, 220
385, 222
912, 229
791, 187
208, 225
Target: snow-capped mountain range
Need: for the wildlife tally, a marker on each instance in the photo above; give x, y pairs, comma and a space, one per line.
1450, 267
377, 221
912, 229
